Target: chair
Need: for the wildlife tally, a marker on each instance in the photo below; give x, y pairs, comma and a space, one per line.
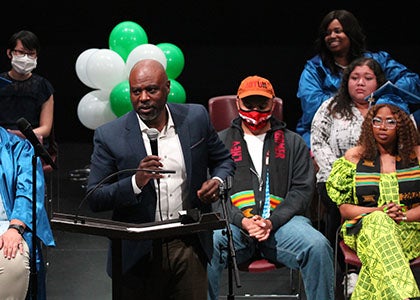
258, 265
52, 184
51, 178
351, 258
222, 110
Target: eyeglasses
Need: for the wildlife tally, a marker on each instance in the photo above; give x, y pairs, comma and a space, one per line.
21, 53
389, 123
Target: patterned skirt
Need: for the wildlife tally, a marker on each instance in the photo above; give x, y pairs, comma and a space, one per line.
385, 249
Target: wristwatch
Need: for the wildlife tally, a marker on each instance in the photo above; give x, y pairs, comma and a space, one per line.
18, 227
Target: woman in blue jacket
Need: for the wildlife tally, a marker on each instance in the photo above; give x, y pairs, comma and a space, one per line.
16, 227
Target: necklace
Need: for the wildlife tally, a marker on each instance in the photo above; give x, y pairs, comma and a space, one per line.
340, 66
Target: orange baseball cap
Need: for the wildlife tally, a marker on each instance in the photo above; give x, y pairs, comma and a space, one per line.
255, 85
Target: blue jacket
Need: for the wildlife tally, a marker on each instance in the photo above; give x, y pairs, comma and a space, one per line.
318, 84
16, 192
118, 145
16, 182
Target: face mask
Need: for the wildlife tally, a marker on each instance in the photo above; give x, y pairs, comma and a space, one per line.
23, 65
255, 120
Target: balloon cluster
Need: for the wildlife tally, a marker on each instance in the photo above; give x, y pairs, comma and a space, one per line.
106, 71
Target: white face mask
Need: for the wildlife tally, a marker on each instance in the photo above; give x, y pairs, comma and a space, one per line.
23, 64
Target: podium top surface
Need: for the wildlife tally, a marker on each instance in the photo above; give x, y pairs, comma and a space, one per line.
134, 231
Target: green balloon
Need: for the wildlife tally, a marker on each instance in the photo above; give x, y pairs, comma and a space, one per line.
174, 58
125, 37
120, 99
176, 92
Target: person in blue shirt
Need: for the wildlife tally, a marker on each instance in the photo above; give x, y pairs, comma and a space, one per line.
16, 226
341, 40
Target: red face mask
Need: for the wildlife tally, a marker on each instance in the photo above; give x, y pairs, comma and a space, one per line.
255, 119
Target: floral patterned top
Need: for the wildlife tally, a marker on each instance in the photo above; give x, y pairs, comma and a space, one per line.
332, 137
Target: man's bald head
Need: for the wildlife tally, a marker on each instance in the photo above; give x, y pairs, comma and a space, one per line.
148, 66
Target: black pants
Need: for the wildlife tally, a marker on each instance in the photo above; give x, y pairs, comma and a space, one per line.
177, 269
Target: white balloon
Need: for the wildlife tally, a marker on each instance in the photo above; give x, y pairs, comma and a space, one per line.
105, 68
145, 51
94, 109
81, 63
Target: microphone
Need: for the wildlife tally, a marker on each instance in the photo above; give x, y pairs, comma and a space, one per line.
26, 128
82, 221
153, 134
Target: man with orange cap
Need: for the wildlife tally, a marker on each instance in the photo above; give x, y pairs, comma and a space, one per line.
270, 195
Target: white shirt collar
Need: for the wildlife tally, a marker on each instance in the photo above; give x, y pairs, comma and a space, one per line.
169, 125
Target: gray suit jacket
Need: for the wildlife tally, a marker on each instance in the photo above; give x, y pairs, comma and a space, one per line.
118, 145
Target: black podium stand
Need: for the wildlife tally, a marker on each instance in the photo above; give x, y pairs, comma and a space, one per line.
118, 231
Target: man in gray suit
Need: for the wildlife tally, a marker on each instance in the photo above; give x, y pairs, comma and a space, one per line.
173, 268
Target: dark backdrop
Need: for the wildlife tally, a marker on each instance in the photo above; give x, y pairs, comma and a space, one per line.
222, 41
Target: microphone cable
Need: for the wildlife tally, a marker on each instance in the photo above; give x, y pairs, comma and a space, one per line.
159, 201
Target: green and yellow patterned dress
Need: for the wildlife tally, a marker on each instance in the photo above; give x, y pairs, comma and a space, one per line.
383, 246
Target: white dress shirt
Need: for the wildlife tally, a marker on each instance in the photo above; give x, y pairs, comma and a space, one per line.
171, 188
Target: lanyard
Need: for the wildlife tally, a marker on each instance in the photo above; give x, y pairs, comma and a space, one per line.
266, 208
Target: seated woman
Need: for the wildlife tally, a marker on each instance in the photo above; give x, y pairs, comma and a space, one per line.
377, 188
16, 222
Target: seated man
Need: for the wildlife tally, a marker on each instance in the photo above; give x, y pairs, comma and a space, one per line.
270, 196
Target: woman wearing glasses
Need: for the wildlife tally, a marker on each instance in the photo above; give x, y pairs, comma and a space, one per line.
336, 128
29, 95
377, 188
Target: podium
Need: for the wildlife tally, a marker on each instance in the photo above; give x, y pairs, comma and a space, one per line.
118, 231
